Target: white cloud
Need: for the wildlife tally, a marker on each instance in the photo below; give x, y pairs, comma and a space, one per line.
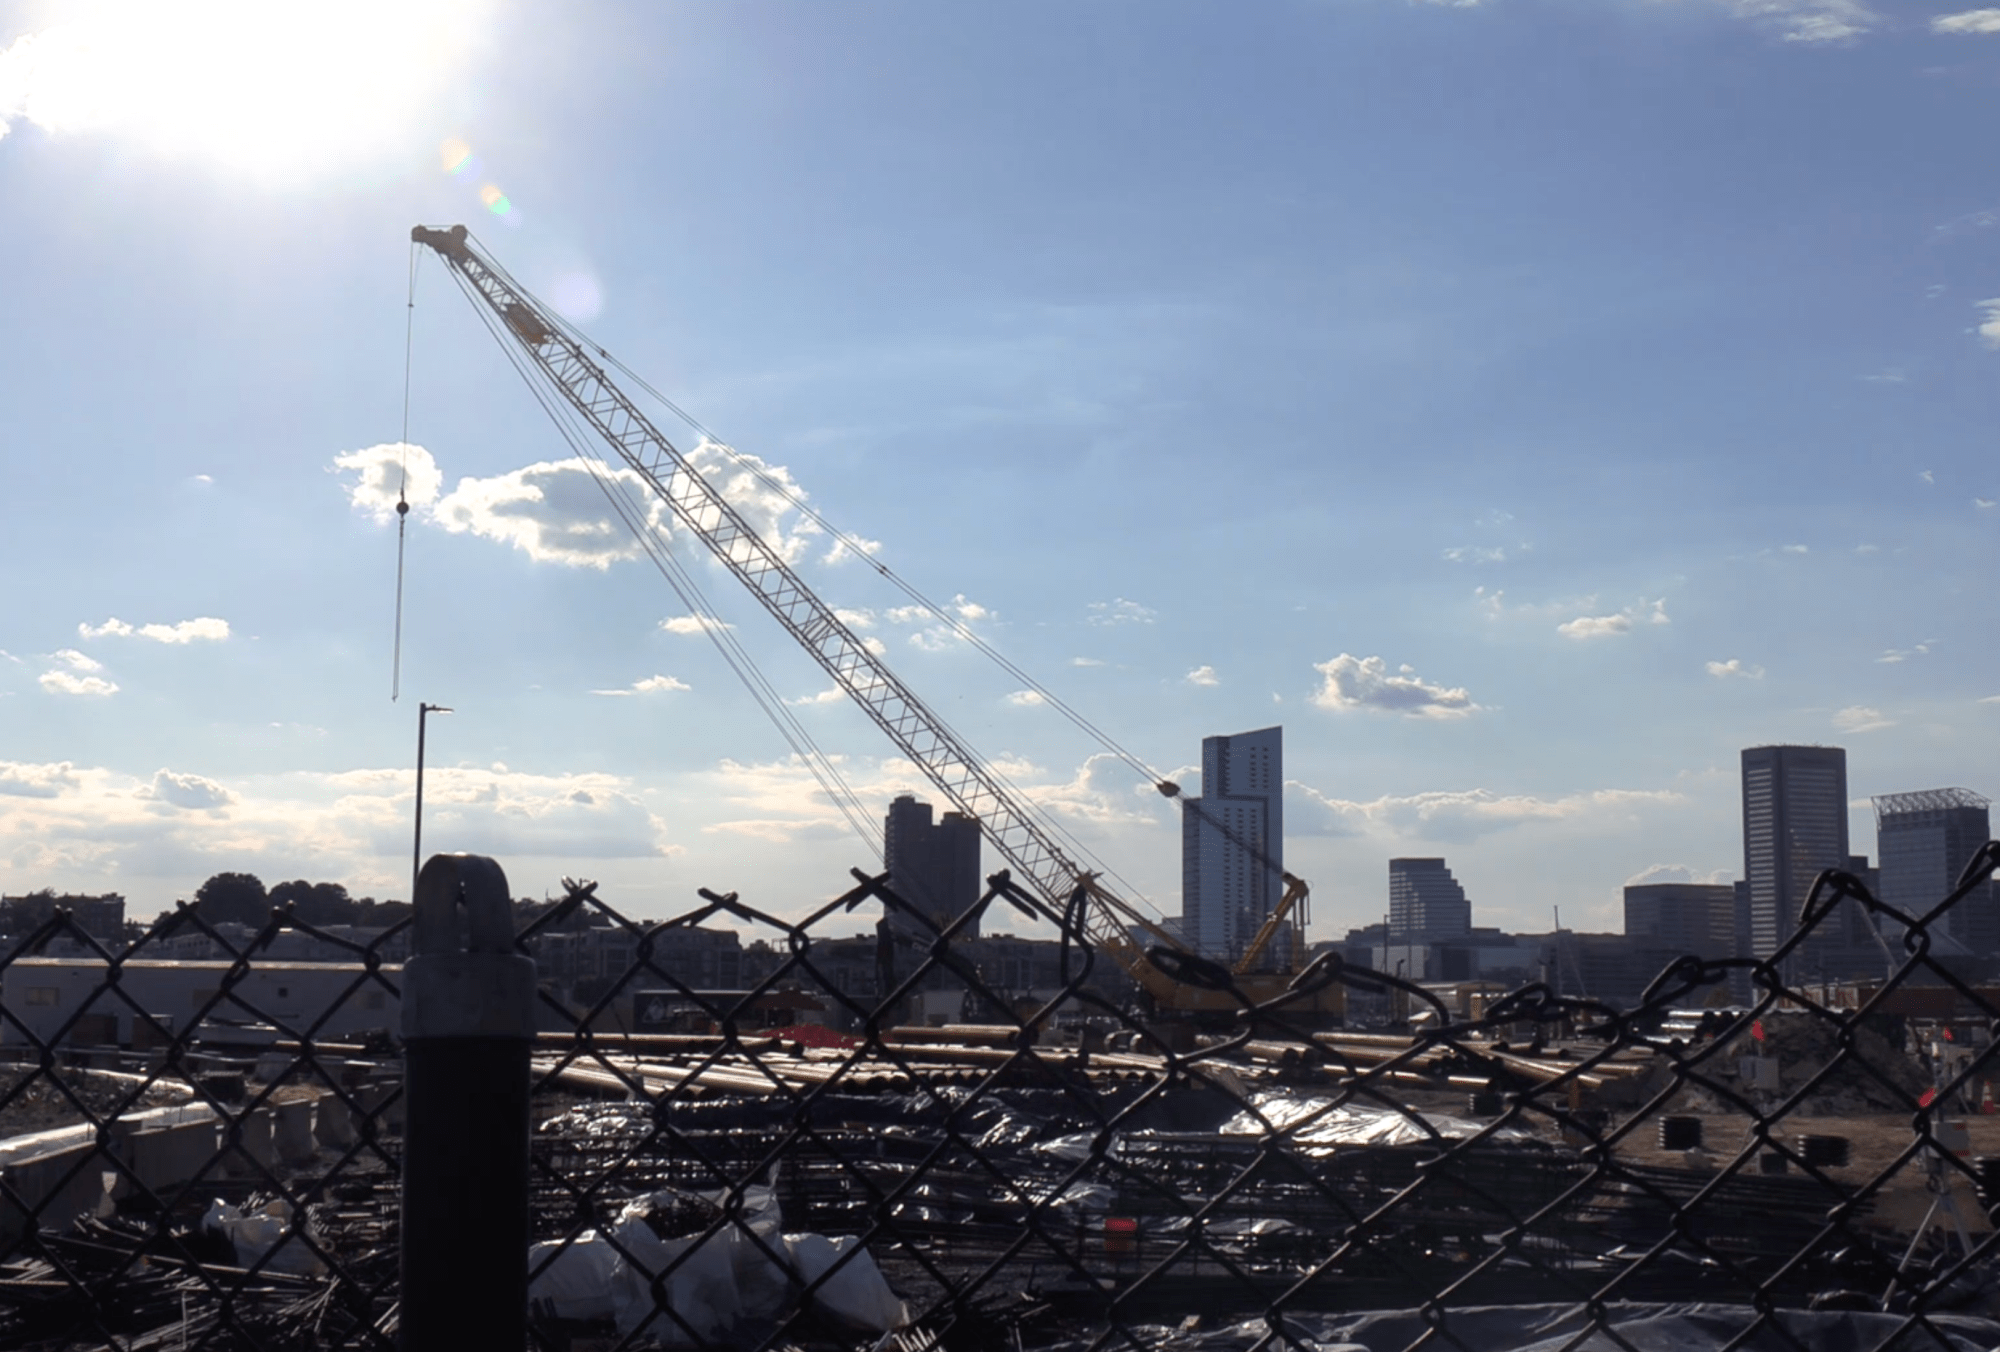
968, 611
205, 628
1679, 873
1796, 549
1604, 626
831, 695
1734, 667
1990, 699
1982, 503
69, 683
693, 624
553, 511
1462, 815
1086, 662
650, 685
1860, 718
1203, 675
193, 792
76, 661
1968, 21
20, 779
1596, 626
1120, 611
855, 619
94, 828
1925, 475
1477, 554
908, 614
379, 481
1989, 333
1808, 20
1025, 699
1366, 683
1894, 655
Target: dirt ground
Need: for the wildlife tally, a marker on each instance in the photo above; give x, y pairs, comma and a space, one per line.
41, 1106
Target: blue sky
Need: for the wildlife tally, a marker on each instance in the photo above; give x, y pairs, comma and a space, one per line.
1527, 403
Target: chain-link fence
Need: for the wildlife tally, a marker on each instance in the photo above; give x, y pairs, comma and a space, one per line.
753, 1132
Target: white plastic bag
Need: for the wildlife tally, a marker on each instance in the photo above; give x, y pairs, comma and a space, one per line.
701, 1291
578, 1284
857, 1296
259, 1233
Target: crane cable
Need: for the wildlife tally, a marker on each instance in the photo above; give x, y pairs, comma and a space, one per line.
739, 660
636, 518
1048, 820
403, 488
860, 549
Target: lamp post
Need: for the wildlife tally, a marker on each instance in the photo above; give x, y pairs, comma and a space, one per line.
424, 711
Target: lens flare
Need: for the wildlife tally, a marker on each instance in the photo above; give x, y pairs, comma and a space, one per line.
496, 201
456, 154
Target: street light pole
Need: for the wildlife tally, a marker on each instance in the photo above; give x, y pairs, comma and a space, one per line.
424, 711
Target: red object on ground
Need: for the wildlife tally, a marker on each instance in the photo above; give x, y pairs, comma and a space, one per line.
813, 1035
1757, 1029
1927, 1098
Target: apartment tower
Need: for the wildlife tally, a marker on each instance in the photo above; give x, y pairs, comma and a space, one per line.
1233, 842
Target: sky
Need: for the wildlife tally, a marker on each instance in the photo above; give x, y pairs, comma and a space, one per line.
1527, 404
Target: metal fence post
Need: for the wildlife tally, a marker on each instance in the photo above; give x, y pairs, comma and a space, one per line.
468, 1020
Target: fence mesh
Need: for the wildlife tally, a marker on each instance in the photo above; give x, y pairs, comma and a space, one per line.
773, 1147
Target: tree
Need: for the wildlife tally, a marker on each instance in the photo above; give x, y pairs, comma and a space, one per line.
237, 897
316, 903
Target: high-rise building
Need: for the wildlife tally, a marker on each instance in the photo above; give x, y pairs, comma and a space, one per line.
1426, 904
1233, 842
1697, 918
1795, 826
932, 865
1924, 841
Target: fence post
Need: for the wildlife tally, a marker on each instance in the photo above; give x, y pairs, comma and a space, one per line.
468, 1021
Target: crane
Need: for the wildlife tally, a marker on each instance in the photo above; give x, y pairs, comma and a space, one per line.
568, 368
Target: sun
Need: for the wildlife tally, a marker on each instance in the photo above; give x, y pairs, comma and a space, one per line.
264, 87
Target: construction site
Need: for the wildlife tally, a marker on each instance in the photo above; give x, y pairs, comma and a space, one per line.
420, 1140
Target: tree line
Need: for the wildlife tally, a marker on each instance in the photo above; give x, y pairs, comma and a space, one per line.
243, 899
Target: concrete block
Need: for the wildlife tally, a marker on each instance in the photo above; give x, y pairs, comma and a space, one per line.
256, 1144
292, 1131
54, 1186
333, 1124
166, 1158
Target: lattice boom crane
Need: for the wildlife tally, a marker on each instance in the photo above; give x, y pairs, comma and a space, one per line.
953, 768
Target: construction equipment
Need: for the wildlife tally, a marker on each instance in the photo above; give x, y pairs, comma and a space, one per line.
1296, 898
565, 367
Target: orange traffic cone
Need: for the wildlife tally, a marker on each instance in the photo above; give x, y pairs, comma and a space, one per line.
1986, 1104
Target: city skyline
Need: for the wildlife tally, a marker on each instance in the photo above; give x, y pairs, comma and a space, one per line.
1525, 462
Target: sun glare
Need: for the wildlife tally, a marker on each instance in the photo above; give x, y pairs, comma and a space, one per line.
277, 90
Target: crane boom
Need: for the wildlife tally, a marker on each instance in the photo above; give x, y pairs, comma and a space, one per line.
952, 768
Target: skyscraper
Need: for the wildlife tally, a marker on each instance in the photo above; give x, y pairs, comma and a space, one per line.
1233, 841
1794, 826
934, 866
1924, 841
1426, 903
